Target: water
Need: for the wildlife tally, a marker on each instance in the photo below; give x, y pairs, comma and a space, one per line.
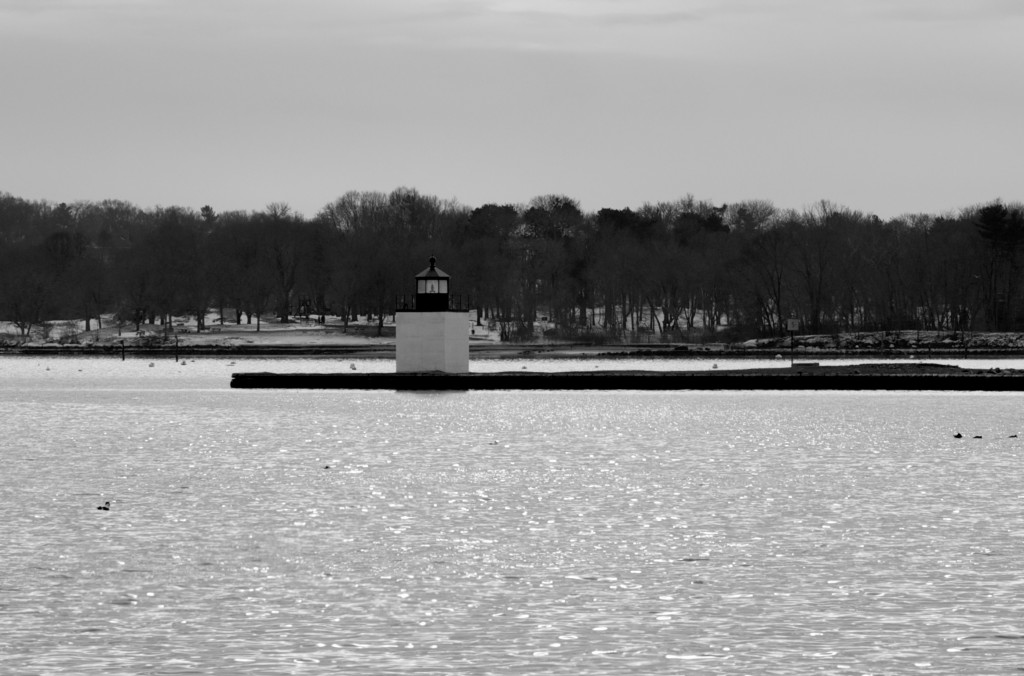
304, 532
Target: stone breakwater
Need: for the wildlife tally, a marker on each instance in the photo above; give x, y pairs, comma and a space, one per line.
905, 377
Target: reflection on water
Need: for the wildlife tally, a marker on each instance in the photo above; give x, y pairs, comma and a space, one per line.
501, 532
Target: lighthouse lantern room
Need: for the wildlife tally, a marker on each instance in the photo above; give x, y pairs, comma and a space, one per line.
432, 289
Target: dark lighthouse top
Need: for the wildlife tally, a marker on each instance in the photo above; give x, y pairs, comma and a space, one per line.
432, 289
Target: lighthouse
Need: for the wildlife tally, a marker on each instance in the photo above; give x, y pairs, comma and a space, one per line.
430, 334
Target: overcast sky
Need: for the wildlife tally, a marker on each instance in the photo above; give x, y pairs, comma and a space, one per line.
885, 106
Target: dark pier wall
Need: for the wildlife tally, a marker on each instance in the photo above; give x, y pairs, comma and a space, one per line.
951, 379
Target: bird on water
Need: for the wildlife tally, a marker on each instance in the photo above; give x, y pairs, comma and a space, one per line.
105, 506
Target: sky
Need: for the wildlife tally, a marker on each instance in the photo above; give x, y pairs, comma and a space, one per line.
888, 107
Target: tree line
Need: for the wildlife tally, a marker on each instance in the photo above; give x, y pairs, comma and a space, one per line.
673, 270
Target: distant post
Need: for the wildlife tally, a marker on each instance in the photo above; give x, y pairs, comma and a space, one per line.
792, 325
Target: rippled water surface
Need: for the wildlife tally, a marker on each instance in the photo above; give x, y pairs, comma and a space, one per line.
281, 532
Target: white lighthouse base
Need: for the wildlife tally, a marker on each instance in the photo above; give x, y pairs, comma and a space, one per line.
432, 341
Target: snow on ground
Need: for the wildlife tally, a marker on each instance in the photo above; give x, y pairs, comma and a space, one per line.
271, 333
300, 333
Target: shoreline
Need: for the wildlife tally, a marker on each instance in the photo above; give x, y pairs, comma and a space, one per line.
365, 340
508, 350
505, 351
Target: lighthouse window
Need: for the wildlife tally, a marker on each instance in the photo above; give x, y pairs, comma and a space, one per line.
432, 285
